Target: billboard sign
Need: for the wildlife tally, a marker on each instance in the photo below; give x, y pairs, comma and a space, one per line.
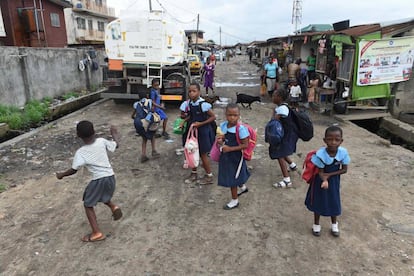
385, 61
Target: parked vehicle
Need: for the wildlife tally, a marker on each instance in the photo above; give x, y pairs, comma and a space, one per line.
203, 55
144, 48
195, 64
238, 51
220, 55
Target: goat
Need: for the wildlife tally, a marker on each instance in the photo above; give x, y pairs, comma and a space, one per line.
247, 99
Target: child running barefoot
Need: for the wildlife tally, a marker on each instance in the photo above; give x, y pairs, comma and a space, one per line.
289, 140
198, 113
323, 196
233, 171
93, 155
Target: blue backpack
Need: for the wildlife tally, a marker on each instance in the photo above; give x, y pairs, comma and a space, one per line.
274, 132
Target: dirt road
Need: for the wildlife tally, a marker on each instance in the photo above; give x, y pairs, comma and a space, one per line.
173, 228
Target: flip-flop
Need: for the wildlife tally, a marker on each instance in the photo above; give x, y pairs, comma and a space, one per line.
117, 213
88, 238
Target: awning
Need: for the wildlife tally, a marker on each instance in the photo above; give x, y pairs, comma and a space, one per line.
342, 39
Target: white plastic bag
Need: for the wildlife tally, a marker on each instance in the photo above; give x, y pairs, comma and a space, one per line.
191, 151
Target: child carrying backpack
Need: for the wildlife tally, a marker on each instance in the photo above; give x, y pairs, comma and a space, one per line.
234, 142
288, 144
144, 123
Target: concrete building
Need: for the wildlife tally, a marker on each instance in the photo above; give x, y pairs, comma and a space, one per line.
86, 22
34, 23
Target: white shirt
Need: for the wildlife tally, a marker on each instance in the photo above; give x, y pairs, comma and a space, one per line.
295, 91
95, 158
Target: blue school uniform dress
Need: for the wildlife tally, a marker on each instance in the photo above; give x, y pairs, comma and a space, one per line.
327, 202
156, 98
290, 138
229, 161
198, 113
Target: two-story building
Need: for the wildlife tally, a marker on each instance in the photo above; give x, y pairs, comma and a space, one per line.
33, 23
86, 22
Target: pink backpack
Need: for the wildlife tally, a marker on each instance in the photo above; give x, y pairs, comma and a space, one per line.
191, 152
248, 152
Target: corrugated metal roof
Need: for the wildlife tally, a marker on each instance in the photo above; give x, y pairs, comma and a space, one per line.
360, 30
354, 31
391, 30
316, 28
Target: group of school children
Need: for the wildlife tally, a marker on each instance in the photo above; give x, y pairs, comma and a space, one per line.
322, 198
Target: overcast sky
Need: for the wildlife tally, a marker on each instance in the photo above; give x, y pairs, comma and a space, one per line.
248, 20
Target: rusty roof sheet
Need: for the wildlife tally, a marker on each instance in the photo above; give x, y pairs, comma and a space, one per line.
354, 31
360, 30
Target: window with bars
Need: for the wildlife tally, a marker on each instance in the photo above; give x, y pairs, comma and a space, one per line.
81, 23
101, 26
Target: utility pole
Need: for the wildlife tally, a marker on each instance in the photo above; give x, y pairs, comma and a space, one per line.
150, 5
198, 22
220, 37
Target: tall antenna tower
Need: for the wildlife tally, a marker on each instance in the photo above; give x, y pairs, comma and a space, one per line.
297, 15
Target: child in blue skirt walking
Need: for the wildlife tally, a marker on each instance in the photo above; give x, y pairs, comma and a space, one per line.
323, 196
199, 114
233, 171
289, 140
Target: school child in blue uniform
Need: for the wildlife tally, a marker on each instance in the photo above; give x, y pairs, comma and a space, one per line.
137, 115
289, 140
323, 196
233, 171
155, 96
198, 113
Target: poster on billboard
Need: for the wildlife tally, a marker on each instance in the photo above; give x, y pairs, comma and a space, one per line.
385, 61
2, 31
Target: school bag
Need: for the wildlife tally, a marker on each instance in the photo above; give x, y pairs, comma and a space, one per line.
247, 152
274, 132
191, 150
304, 125
309, 170
149, 120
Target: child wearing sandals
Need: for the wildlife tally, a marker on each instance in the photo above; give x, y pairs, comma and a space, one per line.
232, 170
289, 140
323, 196
93, 155
198, 113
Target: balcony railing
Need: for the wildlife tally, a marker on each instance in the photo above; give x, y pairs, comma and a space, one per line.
89, 35
92, 6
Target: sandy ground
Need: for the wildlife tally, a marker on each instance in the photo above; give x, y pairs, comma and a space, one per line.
173, 228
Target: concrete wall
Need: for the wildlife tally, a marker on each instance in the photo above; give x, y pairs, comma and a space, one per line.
35, 73
404, 94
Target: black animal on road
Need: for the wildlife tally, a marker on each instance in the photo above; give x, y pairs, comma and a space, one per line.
247, 100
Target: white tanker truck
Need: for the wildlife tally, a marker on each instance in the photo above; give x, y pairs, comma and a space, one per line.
141, 48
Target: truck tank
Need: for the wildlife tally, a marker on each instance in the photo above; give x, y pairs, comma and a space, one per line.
143, 48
